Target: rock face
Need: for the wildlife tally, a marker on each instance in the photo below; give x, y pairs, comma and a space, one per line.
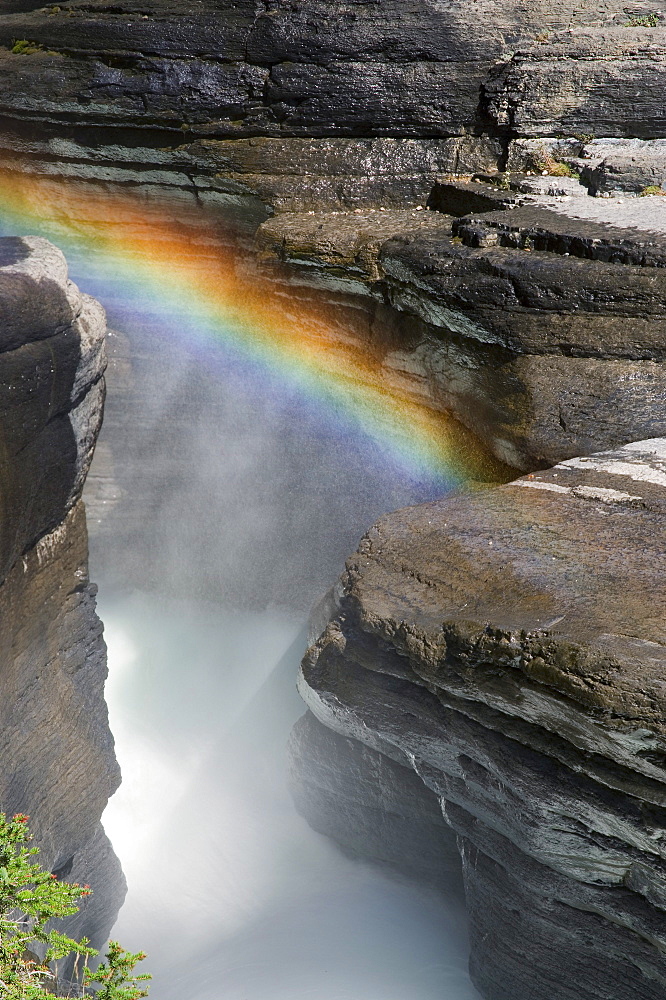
258, 109
56, 751
541, 333
509, 646
394, 97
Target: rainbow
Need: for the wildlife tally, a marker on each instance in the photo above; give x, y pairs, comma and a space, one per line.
182, 277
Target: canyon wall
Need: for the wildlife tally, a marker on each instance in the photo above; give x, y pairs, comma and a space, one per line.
280, 123
454, 185
56, 751
507, 646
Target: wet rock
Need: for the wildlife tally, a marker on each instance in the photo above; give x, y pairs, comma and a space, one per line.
509, 646
52, 364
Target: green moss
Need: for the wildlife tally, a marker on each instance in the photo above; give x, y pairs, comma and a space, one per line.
22, 47
643, 21
651, 189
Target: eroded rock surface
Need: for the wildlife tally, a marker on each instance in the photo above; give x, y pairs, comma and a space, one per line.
259, 109
509, 646
56, 751
500, 652
156, 92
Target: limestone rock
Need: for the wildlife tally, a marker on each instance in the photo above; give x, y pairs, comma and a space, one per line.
509, 645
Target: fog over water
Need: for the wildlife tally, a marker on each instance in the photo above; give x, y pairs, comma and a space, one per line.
231, 894
221, 504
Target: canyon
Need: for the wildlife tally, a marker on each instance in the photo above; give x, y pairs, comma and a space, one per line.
455, 188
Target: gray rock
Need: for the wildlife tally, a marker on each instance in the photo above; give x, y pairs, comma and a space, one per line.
629, 172
56, 751
509, 645
52, 364
589, 82
371, 806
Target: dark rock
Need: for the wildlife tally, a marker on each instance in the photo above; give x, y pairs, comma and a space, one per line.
591, 81
337, 174
288, 69
552, 232
464, 198
56, 751
544, 335
51, 391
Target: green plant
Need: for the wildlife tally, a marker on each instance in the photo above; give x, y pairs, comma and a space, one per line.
542, 161
651, 189
30, 898
559, 169
643, 21
22, 47
117, 975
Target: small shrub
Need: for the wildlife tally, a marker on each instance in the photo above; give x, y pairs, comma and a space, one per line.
541, 161
562, 170
30, 898
651, 189
643, 21
116, 975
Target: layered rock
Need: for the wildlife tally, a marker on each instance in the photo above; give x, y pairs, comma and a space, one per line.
56, 751
272, 108
153, 93
509, 647
542, 333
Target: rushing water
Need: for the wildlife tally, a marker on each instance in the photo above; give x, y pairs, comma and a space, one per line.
222, 502
231, 893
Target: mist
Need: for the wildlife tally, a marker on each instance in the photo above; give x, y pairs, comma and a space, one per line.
222, 503
231, 893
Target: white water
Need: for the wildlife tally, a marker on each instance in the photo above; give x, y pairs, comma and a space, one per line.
231, 893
